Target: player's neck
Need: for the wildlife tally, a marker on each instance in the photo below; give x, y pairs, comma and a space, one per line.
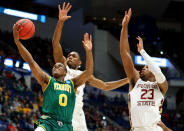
73, 67
61, 78
152, 79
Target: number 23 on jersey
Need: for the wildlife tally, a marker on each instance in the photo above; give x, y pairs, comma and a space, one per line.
147, 94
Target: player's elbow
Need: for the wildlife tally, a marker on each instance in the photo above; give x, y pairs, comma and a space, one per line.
89, 71
106, 87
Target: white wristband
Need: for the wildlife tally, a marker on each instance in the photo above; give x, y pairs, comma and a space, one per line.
159, 76
142, 51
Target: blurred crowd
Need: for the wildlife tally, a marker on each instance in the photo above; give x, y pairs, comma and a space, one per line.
20, 106
117, 109
43, 49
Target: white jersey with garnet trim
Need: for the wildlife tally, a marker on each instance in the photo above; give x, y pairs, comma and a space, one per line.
71, 73
145, 102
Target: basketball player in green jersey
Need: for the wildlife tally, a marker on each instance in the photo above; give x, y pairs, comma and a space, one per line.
58, 95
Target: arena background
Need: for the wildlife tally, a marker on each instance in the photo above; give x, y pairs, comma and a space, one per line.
160, 23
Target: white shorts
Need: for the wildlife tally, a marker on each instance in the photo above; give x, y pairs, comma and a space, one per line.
39, 128
155, 128
79, 121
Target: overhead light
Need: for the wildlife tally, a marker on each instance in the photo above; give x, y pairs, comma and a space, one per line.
94, 18
22, 14
104, 18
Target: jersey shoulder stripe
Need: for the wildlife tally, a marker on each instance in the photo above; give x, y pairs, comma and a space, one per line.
47, 84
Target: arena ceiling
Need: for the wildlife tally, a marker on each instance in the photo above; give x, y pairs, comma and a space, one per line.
114, 8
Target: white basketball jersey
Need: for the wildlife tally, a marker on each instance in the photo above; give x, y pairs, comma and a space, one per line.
71, 73
145, 102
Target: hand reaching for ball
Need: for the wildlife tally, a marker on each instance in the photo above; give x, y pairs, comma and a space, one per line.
15, 32
25, 28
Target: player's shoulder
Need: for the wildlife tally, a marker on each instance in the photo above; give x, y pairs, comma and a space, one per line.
74, 71
69, 82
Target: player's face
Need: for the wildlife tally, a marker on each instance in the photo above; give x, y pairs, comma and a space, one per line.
145, 72
59, 70
73, 60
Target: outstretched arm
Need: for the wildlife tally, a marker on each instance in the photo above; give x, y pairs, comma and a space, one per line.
57, 49
159, 76
131, 72
107, 85
163, 126
81, 79
40, 76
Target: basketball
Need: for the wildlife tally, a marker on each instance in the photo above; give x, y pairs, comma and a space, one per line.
27, 29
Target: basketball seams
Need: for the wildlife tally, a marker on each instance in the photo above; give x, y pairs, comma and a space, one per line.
27, 28
28, 31
24, 22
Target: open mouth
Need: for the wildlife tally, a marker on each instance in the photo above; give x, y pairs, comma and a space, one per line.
141, 72
70, 61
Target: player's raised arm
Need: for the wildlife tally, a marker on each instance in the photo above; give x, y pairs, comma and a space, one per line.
131, 72
154, 68
40, 76
95, 82
81, 79
57, 49
163, 126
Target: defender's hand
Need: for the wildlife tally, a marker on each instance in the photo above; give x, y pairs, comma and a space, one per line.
87, 42
127, 17
140, 44
63, 13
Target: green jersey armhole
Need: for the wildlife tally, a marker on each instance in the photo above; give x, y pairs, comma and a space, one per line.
73, 85
43, 127
47, 84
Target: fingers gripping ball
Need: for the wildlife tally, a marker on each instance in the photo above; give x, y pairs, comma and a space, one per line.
26, 27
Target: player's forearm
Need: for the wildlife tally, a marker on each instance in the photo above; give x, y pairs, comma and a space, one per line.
57, 33
89, 62
154, 68
115, 84
24, 52
124, 45
57, 49
167, 129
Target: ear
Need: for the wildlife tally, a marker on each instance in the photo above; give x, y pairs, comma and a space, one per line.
65, 72
79, 63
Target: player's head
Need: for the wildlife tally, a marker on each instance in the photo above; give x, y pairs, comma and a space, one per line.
73, 60
59, 70
145, 73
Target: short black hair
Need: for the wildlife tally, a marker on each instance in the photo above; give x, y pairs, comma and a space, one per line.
76, 53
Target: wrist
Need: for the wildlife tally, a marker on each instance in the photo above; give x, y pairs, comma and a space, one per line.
61, 21
88, 50
16, 40
124, 26
142, 51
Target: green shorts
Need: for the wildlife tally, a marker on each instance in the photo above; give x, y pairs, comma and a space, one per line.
50, 124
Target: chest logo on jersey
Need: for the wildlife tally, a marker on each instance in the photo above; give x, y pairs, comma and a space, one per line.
63, 87
148, 86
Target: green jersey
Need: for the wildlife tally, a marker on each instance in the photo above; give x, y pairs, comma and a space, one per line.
59, 100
